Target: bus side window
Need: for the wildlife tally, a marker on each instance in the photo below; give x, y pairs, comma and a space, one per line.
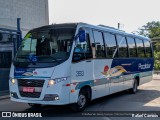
111, 46
99, 44
140, 47
122, 46
82, 50
132, 47
148, 52
88, 53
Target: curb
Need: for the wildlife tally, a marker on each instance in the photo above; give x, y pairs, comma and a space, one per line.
156, 79
4, 97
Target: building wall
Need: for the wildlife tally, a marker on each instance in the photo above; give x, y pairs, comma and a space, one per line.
33, 13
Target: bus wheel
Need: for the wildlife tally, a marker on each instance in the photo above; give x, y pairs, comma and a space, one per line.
34, 105
81, 103
133, 90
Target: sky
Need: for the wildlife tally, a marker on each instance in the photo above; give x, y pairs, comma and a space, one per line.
131, 14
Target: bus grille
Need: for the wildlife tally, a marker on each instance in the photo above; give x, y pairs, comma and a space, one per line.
30, 95
30, 83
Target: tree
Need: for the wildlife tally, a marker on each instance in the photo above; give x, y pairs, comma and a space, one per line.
157, 60
151, 29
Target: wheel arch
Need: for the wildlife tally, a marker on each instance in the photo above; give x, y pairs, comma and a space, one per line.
88, 89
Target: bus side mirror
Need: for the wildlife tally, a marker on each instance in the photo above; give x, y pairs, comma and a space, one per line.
82, 36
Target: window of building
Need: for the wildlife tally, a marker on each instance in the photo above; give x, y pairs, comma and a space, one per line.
132, 47
123, 50
148, 51
5, 38
111, 46
99, 44
140, 48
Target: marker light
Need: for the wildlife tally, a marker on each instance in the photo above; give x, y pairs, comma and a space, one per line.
51, 82
13, 81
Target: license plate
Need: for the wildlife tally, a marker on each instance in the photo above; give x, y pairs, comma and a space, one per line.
28, 89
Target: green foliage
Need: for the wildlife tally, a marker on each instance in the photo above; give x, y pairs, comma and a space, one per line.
157, 60
151, 29
156, 46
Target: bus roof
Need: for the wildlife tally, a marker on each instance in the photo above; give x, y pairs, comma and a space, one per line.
97, 27
64, 25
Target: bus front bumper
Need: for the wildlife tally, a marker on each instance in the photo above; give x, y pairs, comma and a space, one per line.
49, 99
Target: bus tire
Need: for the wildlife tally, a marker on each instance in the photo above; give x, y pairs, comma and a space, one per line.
134, 89
34, 105
81, 103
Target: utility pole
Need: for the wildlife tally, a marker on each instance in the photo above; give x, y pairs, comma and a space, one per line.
118, 25
19, 32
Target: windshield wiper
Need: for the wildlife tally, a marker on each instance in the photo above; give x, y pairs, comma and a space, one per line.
22, 56
54, 59
26, 57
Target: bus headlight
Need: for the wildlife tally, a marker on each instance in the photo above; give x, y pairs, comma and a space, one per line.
13, 81
55, 81
51, 82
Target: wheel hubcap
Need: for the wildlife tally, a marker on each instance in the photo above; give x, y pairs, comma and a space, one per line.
81, 101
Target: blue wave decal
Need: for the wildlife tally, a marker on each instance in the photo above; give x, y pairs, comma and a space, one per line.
23, 72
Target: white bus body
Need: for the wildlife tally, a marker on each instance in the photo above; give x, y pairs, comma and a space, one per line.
92, 69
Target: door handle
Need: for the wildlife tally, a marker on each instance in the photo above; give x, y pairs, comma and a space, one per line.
88, 61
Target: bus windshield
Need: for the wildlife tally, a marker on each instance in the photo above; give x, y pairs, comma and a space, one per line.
45, 48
